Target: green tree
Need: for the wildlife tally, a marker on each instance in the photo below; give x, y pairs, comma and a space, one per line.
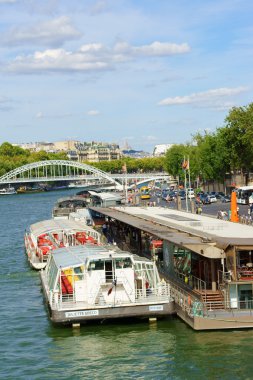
237, 138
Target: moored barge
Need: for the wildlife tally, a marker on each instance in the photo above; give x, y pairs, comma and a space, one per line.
85, 283
46, 236
208, 262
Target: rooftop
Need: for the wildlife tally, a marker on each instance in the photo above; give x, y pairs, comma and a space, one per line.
204, 235
53, 225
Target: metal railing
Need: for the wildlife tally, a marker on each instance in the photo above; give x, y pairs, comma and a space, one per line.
194, 307
192, 281
162, 292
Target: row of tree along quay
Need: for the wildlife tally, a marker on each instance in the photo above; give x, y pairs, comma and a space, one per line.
222, 155
213, 156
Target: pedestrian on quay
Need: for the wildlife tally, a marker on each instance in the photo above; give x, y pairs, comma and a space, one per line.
199, 210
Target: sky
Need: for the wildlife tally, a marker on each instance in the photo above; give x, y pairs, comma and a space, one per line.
142, 72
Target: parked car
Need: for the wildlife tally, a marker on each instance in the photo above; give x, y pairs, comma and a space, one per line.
190, 193
205, 199
225, 199
213, 198
220, 194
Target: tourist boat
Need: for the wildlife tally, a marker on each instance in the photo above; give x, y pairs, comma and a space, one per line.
8, 191
90, 282
65, 206
28, 189
46, 236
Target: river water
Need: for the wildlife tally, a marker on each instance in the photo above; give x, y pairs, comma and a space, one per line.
32, 348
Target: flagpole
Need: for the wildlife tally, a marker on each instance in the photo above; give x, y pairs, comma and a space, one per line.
189, 172
126, 184
185, 185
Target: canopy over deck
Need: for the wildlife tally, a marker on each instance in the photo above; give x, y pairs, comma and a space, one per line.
202, 234
106, 196
54, 225
77, 255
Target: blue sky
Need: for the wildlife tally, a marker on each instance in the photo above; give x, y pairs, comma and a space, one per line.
142, 71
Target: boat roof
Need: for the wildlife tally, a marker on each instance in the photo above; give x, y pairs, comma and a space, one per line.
77, 255
80, 213
70, 198
106, 196
204, 235
54, 225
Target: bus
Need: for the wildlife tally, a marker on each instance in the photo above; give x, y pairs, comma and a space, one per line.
243, 194
145, 193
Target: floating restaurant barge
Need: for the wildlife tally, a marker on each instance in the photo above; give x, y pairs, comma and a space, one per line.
208, 262
46, 236
90, 282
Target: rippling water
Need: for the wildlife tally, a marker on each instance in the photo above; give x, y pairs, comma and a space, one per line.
32, 348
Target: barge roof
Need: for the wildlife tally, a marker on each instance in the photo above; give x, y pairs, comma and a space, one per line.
52, 225
106, 196
77, 255
203, 234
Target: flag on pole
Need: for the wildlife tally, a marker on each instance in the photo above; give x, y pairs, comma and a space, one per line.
185, 164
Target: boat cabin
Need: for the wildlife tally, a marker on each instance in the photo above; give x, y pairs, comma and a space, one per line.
88, 277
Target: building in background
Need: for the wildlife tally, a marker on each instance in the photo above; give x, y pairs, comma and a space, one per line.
38, 146
161, 149
97, 151
65, 146
135, 153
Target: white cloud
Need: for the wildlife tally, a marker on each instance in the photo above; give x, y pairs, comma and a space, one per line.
150, 138
100, 7
208, 98
52, 32
90, 57
93, 113
39, 115
154, 49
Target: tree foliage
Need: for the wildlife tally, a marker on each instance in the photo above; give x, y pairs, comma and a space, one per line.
212, 155
12, 157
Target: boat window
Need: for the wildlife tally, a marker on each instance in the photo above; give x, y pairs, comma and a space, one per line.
79, 272
52, 273
123, 263
96, 265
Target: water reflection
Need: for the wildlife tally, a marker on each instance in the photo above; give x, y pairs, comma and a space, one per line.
116, 351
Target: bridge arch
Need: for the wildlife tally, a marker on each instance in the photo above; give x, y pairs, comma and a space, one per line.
53, 170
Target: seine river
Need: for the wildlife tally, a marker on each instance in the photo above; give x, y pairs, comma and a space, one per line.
32, 348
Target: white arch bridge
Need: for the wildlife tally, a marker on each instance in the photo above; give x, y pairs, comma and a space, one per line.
63, 170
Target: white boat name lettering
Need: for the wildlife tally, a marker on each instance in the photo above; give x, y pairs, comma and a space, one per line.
156, 308
87, 313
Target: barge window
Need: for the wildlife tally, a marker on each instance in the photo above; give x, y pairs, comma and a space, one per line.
244, 259
123, 263
96, 265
